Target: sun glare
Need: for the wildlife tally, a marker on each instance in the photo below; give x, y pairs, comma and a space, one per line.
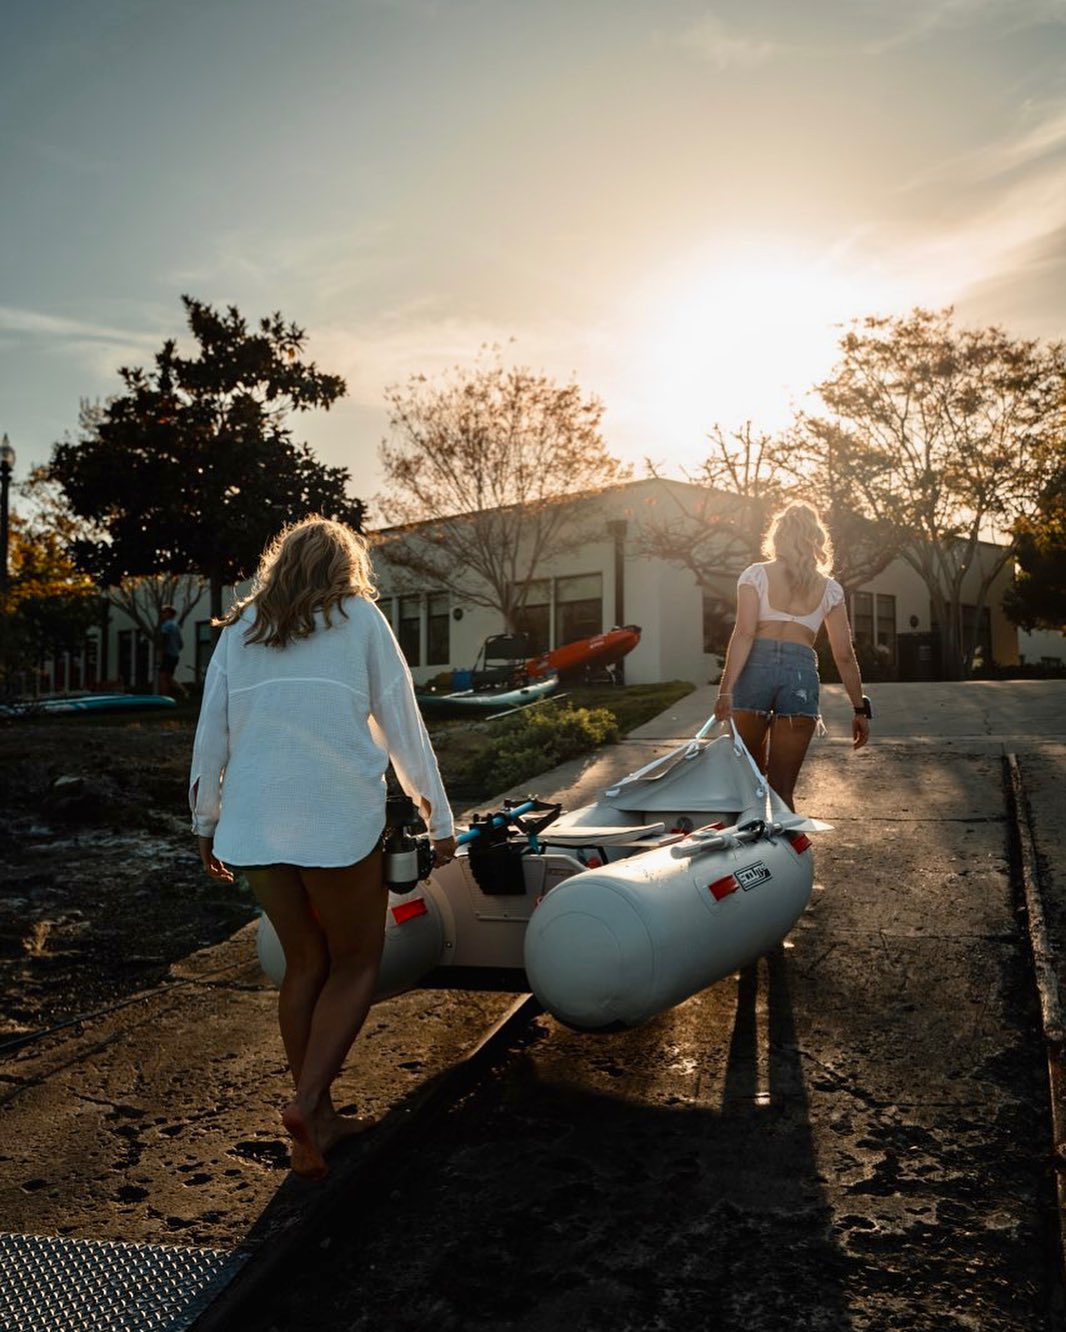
744, 337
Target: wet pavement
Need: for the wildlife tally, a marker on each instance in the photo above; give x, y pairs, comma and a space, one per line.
851, 1134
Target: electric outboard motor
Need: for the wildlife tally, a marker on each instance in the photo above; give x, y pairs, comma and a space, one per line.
408, 857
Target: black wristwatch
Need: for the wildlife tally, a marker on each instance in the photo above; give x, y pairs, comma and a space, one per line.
866, 710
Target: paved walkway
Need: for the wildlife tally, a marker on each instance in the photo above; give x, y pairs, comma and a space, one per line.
987, 713
157, 1122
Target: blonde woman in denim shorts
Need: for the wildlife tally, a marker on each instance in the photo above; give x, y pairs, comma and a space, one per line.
769, 685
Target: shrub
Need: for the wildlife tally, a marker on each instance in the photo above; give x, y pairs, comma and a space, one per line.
535, 740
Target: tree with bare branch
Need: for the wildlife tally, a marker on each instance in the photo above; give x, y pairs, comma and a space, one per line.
480, 468
715, 524
948, 438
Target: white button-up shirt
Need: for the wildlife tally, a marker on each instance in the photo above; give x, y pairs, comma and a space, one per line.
292, 744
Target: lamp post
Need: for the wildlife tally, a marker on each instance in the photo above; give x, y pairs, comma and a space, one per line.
7, 466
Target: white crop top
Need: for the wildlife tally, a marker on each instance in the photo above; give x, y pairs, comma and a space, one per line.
755, 576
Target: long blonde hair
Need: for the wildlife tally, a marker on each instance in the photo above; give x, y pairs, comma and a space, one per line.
799, 540
309, 566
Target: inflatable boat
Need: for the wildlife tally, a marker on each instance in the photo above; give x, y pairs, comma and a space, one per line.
675, 877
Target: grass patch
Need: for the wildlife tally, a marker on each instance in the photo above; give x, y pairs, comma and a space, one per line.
631, 705
480, 759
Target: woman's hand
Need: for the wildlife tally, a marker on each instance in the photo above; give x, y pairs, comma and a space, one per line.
860, 730
213, 867
723, 707
443, 850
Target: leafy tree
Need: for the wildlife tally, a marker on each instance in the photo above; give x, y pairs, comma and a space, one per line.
47, 605
1037, 597
482, 461
141, 599
813, 469
945, 436
192, 468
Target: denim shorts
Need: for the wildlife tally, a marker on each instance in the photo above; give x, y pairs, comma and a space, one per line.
778, 677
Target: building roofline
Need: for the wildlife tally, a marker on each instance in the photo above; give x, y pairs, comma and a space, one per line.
615, 488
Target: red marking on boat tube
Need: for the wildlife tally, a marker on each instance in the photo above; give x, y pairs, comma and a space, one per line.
723, 887
409, 910
800, 841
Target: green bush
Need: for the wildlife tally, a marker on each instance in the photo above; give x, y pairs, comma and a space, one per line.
533, 741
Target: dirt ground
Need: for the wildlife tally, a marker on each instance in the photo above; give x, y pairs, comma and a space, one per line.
100, 886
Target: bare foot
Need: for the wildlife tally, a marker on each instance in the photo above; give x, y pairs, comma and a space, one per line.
335, 1128
307, 1159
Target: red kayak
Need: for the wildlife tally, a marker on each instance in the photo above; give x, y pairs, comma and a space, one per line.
600, 650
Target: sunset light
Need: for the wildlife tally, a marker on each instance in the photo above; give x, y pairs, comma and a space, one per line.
533, 665
679, 208
743, 336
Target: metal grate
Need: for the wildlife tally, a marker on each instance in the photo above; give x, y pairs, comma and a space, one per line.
67, 1285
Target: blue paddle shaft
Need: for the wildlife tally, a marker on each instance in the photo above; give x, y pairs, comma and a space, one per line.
495, 822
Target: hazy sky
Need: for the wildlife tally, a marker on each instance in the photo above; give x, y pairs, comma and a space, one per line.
679, 203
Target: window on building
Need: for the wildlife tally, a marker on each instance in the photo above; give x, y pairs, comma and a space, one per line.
76, 669
983, 640
862, 618
387, 607
143, 660
410, 633
578, 607
535, 618
125, 657
205, 645
92, 662
718, 621
438, 643
886, 623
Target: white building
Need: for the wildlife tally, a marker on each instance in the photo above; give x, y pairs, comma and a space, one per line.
605, 582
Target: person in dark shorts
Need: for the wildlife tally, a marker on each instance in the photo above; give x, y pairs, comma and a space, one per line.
769, 685
171, 643
307, 699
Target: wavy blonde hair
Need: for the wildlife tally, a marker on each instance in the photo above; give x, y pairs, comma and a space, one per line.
799, 540
310, 566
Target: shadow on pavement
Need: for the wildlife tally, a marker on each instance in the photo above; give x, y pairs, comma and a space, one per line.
540, 1203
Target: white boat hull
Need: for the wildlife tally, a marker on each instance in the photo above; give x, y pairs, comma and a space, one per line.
624, 907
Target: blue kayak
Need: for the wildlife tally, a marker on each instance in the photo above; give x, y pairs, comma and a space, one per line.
52, 707
485, 701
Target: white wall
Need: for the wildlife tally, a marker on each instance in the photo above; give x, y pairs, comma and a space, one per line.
662, 599
1041, 646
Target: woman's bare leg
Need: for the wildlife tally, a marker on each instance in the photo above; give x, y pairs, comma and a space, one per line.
754, 728
789, 738
350, 906
280, 892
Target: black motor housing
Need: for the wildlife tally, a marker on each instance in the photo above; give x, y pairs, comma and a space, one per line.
408, 857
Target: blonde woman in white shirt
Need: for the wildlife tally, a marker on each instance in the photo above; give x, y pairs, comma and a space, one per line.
769, 684
306, 700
